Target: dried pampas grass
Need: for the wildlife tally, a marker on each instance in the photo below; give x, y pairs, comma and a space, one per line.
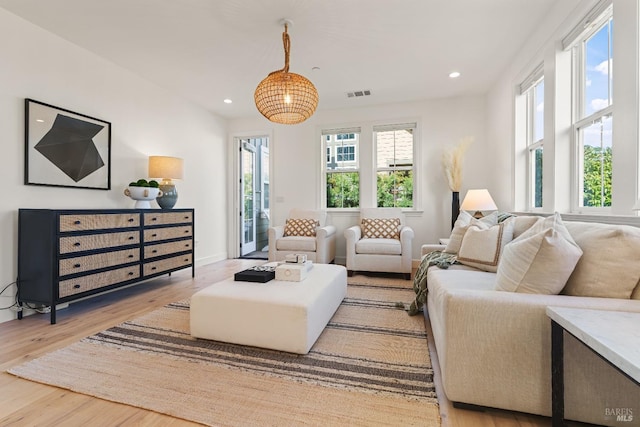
452, 163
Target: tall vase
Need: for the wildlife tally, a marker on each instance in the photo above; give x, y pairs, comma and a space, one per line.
455, 207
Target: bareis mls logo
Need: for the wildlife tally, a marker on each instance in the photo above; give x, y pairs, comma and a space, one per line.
620, 414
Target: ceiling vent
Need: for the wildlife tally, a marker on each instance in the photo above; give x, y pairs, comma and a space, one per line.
357, 93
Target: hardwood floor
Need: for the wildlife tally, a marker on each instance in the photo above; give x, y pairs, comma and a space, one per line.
26, 403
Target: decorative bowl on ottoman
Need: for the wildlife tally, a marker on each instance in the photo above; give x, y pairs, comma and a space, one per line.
143, 192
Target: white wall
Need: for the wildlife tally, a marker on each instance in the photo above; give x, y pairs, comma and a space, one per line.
507, 187
295, 154
145, 119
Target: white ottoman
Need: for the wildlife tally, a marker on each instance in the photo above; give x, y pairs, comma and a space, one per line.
280, 315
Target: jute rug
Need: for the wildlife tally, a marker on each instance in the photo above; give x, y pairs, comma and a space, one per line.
370, 366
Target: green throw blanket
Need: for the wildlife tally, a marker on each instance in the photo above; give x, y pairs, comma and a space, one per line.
438, 258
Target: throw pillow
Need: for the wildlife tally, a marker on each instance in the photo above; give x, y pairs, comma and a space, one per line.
481, 248
465, 219
301, 227
609, 267
540, 260
380, 228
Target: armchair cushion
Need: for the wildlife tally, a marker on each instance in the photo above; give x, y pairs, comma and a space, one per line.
301, 227
379, 247
296, 243
380, 228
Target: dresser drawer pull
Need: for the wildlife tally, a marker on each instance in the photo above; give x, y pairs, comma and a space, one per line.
186, 259
76, 286
76, 244
154, 268
131, 220
186, 217
155, 251
131, 273
76, 265
154, 219
130, 237
186, 246
154, 235
186, 231
76, 222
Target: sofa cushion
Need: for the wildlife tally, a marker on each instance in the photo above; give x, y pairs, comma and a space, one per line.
465, 219
636, 292
481, 248
296, 243
380, 228
540, 260
379, 247
609, 267
301, 227
522, 223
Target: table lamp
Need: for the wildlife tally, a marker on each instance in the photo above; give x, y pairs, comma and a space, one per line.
166, 168
478, 200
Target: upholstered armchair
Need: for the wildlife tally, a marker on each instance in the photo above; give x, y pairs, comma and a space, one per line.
305, 232
381, 242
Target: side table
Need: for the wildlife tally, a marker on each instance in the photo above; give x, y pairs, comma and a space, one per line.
612, 335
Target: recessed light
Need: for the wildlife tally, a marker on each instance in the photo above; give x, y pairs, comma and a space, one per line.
227, 101
454, 74
39, 120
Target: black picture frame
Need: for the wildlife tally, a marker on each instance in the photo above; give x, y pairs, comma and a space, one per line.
66, 149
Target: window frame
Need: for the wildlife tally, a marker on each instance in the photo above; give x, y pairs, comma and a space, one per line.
533, 145
579, 121
331, 150
413, 168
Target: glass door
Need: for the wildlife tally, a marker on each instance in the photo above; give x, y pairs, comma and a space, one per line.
248, 197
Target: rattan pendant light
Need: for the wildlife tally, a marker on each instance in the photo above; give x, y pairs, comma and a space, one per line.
284, 97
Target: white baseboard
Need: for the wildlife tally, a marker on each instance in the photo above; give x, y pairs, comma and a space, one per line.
211, 259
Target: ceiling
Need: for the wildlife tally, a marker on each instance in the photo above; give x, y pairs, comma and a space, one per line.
209, 50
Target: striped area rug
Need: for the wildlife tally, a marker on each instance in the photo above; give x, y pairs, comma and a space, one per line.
370, 366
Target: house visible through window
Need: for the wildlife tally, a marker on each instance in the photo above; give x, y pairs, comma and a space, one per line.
342, 168
394, 165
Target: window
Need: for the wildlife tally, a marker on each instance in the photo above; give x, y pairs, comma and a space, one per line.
593, 112
394, 148
342, 169
535, 142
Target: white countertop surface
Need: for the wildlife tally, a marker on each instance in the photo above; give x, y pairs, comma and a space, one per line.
613, 334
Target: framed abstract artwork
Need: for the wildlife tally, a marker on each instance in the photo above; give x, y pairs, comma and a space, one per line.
66, 149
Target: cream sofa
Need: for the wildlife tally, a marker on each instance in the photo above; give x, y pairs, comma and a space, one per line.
494, 347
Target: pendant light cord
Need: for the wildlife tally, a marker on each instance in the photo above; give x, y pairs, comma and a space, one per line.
286, 41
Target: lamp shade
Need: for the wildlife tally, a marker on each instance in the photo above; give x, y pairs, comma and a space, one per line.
478, 200
166, 167
284, 97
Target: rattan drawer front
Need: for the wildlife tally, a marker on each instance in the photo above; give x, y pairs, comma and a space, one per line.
72, 244
167, 218
166, 264
96, 281
98, 222
151, 251
94, 262
157, 234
